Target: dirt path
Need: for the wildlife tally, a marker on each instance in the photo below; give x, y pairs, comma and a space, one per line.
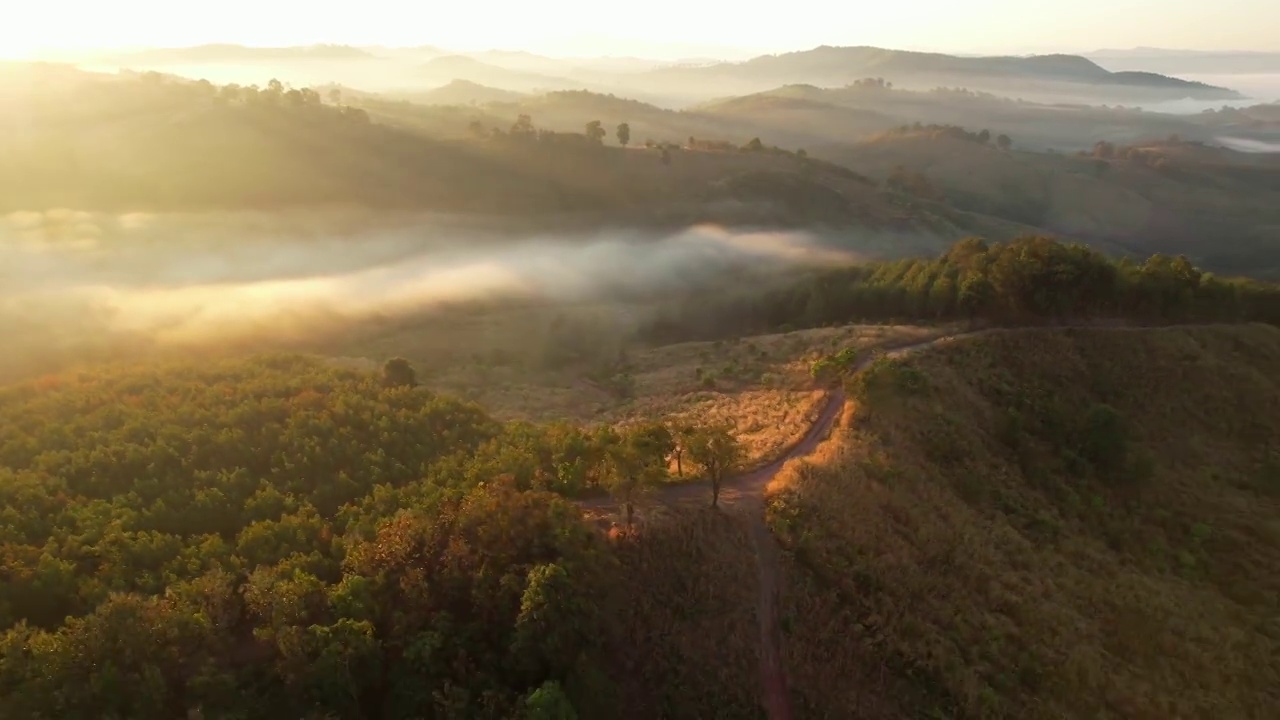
746, 493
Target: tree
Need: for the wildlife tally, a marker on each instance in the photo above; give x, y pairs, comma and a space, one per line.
595, 132
397, 372
984, 136
753, 145
477, 129
335, 96
636, 463
666, 156
523, 127
1004, 142
681, 439
720, 455
624, 134
549, 702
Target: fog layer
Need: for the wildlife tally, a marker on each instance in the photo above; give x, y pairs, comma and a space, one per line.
73, 282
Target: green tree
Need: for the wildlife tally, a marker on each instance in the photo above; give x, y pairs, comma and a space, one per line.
397, 372
624, 134
595, 132
637, 463
549, 702
719, 453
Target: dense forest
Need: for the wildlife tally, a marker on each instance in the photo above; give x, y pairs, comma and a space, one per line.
1029, 281
281, 538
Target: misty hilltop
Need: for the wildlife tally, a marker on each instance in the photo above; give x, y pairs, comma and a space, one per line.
834, 66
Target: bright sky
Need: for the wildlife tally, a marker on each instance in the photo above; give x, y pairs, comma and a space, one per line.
654, 28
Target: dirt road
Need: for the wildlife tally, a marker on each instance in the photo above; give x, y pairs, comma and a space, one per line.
745, 493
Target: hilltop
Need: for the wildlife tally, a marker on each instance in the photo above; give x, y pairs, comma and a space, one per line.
462, 67
1038, 76
1043, 524
466, 92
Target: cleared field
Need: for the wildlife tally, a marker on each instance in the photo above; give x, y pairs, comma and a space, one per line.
508, 363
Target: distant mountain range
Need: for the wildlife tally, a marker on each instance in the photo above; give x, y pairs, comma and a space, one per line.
833, 66
1039, 77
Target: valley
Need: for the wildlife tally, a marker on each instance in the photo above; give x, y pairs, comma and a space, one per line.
352, 380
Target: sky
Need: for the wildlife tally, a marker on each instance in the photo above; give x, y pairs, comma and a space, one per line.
656, 28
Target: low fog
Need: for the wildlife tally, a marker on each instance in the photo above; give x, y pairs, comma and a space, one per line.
1249, 145
77, 285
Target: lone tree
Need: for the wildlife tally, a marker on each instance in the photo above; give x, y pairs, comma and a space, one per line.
1004, 142
524, 127
595, 131
397, 372
635, 463
682, 437
720, 455
624, 134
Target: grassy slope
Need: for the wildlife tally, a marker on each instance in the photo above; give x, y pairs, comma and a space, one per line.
691, 637
760, 384
951, 561
1201, 193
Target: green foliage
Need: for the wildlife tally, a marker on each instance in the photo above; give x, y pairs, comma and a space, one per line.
829, 367
715, 449
1105, 441
624, 134
397, 372
549, 703
890, 375
1027, 281
276, 537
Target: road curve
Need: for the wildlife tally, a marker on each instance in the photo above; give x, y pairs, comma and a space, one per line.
747, 491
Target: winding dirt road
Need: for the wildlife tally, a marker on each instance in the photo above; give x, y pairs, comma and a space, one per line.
746, 492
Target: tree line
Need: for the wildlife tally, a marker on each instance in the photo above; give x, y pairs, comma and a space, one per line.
1030, 280
278, 537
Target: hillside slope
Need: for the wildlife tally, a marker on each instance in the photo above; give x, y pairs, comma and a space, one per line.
1036, 524
1162, 196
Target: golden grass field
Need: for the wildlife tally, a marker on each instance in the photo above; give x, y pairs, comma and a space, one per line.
957, 554
760, 385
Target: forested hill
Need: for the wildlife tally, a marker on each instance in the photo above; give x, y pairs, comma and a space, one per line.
279, 538
155, 143
1029, 281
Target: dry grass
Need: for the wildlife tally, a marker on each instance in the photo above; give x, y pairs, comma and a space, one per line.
950, 562
691, 636
760, 385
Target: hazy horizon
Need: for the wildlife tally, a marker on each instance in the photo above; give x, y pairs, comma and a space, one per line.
580, 30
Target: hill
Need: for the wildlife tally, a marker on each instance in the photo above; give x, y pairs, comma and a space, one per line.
880, 105
1155, 196
465, 92
1035, 76
150, 143
1043, 524
461, 67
